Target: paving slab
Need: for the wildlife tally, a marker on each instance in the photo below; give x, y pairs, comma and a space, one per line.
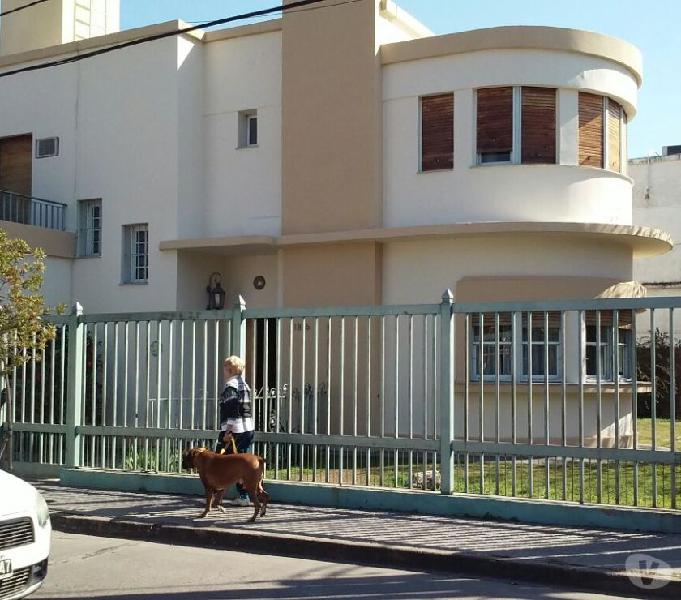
636, 564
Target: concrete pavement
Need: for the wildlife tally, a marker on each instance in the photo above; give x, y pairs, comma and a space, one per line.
586, 558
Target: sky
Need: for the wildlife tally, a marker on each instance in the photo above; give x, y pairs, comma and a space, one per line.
653, 26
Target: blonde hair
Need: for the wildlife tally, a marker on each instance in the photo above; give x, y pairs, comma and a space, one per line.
236, 364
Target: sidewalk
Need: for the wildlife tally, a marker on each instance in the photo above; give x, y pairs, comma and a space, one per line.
588, 558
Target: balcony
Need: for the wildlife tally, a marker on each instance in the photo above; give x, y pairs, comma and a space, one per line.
27, 210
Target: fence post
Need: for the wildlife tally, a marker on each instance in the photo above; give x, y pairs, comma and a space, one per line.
239, 327
446, 399
74, 394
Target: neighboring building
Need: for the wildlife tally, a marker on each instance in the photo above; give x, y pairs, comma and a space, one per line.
337, 156
657, 203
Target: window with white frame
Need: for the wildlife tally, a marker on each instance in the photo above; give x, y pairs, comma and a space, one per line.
136, 253
248, 128
516, 124
599, 346
484, 355
90, 227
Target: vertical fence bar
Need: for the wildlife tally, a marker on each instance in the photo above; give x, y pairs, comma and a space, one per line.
547, 432
530, 373
672, 404
481, 415
382, 406
277, 424
368, 400
653, 399
303, 333
581, 370
75, 387
342, 399
411, 397
327, 473
497, 399
355, 382
466, 393
290, 396
315, 396
137, 389
634, 402
616, 376
599, 408
115, 394
51, 415
514, 398
563, 334
397, 395
93, 417
446, 422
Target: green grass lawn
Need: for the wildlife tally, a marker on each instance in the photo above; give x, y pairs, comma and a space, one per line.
560, 481
662, 433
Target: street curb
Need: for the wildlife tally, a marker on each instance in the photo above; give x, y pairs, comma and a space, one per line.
461, 563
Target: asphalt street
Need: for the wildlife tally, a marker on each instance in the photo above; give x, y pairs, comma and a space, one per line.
93, 567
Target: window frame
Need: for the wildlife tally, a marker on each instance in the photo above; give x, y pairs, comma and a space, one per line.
606, 343
86, 230
520, 343
38, 141
130, 254
245, 117
420, 168
515, 155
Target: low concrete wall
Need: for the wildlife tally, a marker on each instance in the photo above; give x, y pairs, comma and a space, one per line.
563, 514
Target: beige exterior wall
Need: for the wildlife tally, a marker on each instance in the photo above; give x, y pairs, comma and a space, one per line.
332, 275
331, 119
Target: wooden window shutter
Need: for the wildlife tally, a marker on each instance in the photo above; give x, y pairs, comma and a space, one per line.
614, 136
538, 124
590, 130
437, 132
495, 120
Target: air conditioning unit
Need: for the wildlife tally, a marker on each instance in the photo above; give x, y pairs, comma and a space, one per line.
45, 147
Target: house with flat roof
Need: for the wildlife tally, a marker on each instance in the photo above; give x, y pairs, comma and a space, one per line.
340, 155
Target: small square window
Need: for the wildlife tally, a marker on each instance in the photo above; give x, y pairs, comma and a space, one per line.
46, 147
136, 253
90, 227
248, 128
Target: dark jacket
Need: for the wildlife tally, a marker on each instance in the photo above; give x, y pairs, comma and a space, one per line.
235, 400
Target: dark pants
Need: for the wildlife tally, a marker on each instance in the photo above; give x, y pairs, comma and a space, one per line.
243, 444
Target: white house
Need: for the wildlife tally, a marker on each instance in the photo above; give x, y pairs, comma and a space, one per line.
340, 155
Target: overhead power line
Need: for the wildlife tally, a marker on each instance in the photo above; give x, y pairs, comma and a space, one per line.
19, 8
159, 36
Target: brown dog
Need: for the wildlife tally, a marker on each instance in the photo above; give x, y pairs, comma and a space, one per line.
219, 471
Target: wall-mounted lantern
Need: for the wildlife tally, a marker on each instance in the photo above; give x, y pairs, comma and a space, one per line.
259, 282
216, 295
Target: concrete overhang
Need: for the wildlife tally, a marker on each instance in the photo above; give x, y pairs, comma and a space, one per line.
57, 244
643, 241
518, 38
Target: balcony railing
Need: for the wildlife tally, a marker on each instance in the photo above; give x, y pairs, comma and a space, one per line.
28, 210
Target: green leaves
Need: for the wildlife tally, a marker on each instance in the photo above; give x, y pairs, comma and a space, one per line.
22, 306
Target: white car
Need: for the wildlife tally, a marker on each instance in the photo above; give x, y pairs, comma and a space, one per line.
24, 538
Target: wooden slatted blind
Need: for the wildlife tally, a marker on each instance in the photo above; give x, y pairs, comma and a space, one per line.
495, 120
538, 125
590, 130
437, 132
614, 136
16, 156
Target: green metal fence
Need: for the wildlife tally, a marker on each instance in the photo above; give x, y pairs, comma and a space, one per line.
573, 401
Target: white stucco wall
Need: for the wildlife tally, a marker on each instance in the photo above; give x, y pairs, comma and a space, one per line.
657, 201
563, 192
57, 282
419, 271
242, 185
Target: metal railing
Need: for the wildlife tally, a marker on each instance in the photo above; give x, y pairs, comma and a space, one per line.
28, 210
572, 401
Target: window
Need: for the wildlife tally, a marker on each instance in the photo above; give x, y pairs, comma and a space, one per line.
248, 128
495, 125
437, 132
601, 132
540, 346
47, 147
516, 125
600, 347
90, 228
135, 253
